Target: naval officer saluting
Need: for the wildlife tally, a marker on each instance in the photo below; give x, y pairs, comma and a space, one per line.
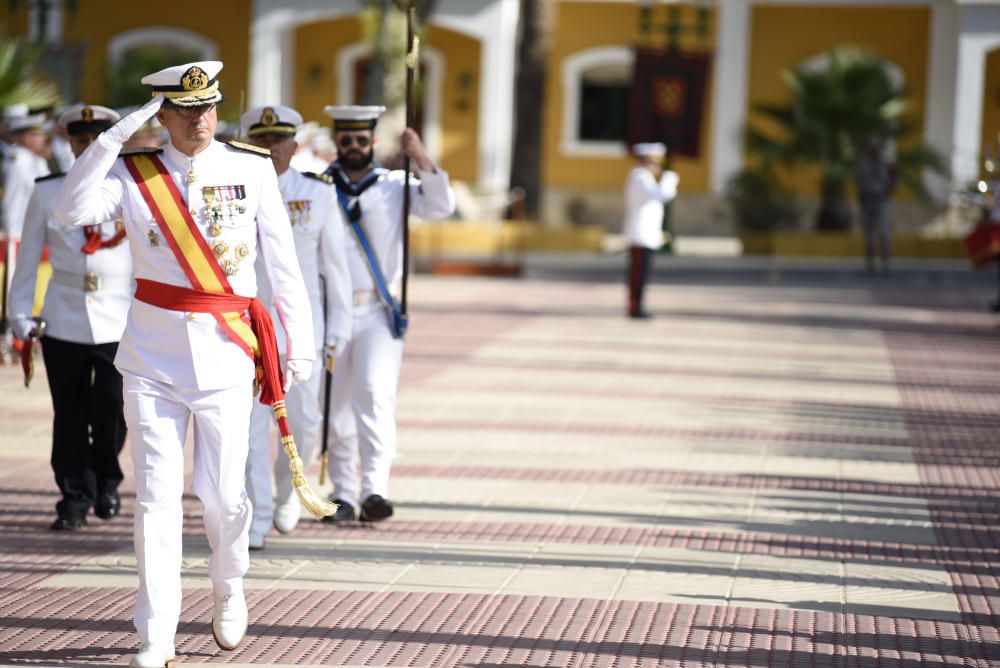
319, 233
363, 398
198, 212
86, 302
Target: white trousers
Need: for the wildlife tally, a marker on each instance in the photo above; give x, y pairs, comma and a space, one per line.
304, 417
363, 408
157, 415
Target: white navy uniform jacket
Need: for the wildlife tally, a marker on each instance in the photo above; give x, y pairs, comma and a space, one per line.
189, 350
71, 312
431, 197
644, 200
20, 169
320, 246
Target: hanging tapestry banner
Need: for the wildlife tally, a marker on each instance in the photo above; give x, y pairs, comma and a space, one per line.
667, 99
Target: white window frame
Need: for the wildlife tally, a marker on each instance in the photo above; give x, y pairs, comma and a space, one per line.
185, 39
347, 59
573, 69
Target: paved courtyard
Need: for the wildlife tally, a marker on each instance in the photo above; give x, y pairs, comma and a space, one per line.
793, 464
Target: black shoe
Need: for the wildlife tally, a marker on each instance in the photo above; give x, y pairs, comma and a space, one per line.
375, 509
345, 512
640, 315
108, 506
69, 523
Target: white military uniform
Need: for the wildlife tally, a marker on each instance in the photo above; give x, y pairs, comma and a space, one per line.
88, 296
21, 167
363, 395
644, 200
178, 366
20, 171
320, 246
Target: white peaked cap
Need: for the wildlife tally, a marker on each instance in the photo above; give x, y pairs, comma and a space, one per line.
270, 119
87, 118
188, 85
354, 117
649, 149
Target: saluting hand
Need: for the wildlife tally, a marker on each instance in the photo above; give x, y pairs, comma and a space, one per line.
126, 127
414, 148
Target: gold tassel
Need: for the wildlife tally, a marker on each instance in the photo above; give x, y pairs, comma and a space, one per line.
318, 506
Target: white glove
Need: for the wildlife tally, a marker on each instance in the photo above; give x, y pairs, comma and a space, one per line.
126, 127
297, 371
22, 328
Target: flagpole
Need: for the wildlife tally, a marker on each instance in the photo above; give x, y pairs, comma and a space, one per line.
411, 65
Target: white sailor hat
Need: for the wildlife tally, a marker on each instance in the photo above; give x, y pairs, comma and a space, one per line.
649, 149
270, 119
353, 117
83, 118
189, 85
18, 118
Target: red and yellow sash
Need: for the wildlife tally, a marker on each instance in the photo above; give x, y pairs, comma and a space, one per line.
210, 289
187, 243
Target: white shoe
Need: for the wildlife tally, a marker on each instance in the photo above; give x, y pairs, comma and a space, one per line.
256, 540
287, 514
153, 656
229, 620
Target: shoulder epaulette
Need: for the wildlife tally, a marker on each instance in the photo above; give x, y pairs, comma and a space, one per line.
325, 178
249, 148
57, 175
138, 150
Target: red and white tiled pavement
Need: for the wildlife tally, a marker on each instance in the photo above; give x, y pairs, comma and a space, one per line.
769, 473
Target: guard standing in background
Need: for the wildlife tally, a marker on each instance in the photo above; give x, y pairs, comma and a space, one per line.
647, 189
875, 178
86, 304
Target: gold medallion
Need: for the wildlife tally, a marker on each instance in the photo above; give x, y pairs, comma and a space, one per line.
207, 194
191, 176
194, 79
215, 230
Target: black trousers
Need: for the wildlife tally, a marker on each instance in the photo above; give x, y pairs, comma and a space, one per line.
638, 274
88, 428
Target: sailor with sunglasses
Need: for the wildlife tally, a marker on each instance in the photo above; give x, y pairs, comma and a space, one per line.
362, 428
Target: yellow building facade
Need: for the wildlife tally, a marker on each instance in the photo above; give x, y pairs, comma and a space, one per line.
307, 53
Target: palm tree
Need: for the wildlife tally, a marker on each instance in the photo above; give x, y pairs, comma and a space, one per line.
834, 114
18, 82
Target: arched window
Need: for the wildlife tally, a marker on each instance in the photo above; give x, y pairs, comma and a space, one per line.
595, 101
351, 66
134, 54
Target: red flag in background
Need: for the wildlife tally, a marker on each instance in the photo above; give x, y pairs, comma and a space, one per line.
667, 99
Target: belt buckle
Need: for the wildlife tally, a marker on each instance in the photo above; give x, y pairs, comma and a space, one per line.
91, 282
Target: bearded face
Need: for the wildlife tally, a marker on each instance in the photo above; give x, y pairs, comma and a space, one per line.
355, 150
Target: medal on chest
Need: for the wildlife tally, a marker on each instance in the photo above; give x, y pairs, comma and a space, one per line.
224, 205
300, 212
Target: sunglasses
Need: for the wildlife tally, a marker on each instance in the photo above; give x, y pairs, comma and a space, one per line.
345, 141
191, 112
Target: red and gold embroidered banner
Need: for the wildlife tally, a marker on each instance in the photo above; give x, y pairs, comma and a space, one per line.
667, 99
187, 243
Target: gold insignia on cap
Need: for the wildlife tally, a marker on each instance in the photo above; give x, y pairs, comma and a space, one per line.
87, 115
194, 79
268, 117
